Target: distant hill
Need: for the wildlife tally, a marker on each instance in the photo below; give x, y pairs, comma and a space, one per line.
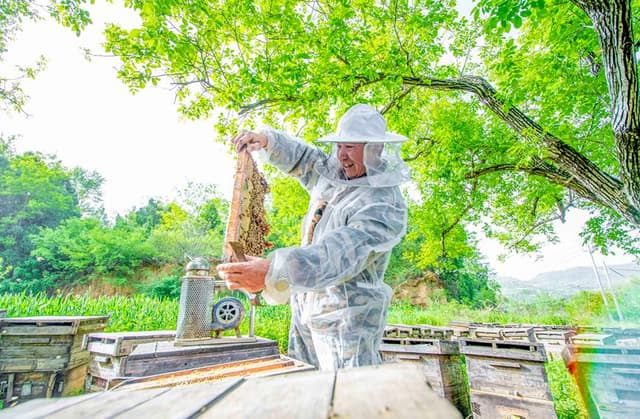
567, 282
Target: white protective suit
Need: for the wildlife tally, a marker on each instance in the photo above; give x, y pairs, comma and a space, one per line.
335, 283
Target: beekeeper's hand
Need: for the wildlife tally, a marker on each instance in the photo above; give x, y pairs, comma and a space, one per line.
252, 140
247, 275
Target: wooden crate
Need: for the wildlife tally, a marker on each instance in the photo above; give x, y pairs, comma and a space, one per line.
626, 336
109, 352
439, 360
525, 334
123, 343
597, 335
21, 386
462, 328
258, 367
29, 385
421, 331
608, 377
160, 357
52, 325
44, 356
46, 343
593, 339
507, 379
554, 340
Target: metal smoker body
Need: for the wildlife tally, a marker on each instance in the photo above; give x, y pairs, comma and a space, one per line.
198, 316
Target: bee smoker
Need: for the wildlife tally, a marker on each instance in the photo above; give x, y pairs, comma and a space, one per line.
198, 316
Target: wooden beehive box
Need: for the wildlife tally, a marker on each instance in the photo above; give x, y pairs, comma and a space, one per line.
439, 360
161, 357
608, 377
109, 352
419, 331
507, 379
525, 334
462, 328
593, 339
256, 367
44, 356
554, 340
625, 336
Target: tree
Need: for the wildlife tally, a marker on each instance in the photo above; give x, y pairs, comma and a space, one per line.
287, 205
509, 128
35, 191
13, 13
87, 185
147, 217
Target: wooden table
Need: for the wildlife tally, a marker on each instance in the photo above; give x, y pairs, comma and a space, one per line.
390, 391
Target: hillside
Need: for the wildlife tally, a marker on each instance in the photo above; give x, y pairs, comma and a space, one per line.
568, 282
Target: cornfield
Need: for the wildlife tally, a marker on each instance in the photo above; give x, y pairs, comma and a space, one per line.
126, 313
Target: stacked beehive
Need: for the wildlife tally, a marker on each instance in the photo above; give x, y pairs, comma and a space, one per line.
436, 353
554, 338
503, 365
507, 378
44, 356
109, 352
606, 365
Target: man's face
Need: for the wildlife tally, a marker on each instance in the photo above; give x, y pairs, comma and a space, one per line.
350, 156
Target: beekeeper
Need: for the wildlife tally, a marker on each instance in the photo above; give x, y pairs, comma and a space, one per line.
356, 215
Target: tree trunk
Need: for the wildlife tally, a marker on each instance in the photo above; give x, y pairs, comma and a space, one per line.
612, 23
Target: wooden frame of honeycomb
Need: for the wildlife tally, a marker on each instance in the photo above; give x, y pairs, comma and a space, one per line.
247, 225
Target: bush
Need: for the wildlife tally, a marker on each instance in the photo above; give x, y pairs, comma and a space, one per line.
166, 287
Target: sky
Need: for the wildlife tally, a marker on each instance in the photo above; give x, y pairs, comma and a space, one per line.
81, 112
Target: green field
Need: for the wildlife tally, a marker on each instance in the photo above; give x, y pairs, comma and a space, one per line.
138, 313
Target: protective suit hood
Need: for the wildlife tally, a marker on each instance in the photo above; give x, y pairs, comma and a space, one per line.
381, 158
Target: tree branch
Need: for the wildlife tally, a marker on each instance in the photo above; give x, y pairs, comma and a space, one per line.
394, 102
544, 170
586, 177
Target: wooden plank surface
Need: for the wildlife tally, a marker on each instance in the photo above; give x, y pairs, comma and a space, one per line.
268, 366
29, 364
389, 391
32, 330
422, 346
232, 232
34, 351
529, 351
487, 405
160, 357
109, 404
183, 401
56, 324
123, 343
53, 319
299, 395
515, 378
41, 408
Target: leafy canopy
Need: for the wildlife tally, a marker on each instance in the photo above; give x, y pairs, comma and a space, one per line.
509, 128
13, 13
